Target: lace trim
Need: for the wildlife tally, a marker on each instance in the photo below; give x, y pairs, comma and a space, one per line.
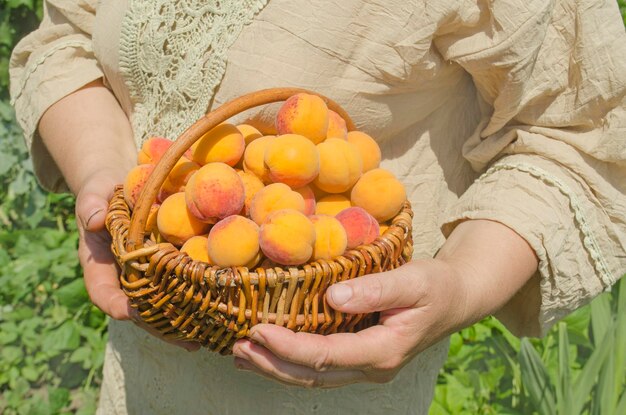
589, 241
173, 56
32, 67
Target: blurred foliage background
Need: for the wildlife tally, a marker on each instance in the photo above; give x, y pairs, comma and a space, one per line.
52, 338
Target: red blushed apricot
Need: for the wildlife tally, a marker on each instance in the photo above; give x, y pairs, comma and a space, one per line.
303, 114
368, 149
224, 144
336, 126
176, 223
309, 199
153, 149
292, 159
330, 237
214, 192
287, 237
197, 248
234, 242
379, 193
135, 180
275, 196
361, 227
177, 178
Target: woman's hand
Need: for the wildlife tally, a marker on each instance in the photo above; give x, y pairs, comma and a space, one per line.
91, 141
480, 267
94, 252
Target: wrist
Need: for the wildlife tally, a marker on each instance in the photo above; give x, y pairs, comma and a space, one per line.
491, 261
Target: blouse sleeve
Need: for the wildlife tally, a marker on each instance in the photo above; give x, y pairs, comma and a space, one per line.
551, 78
48, 64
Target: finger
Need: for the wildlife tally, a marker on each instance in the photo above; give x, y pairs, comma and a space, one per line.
91, 210
271, 366
377, 347
101, 275
400, 288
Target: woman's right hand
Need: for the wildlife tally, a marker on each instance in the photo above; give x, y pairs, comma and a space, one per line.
96, 258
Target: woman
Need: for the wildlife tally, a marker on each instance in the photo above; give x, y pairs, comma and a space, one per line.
504, 120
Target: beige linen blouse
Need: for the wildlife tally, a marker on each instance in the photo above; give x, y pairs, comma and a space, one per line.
509, 110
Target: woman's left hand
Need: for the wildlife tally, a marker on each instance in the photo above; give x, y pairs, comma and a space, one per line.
480, 267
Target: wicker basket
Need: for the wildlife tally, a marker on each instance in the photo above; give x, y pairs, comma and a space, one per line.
190, 300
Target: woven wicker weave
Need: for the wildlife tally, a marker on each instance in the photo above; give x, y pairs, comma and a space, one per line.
190, 300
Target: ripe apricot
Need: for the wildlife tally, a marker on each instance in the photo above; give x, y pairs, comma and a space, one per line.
214, 192
303, 114
368, 149
197, 248
383, 228
379, 193
176, 223
151, 221
251, 185
336, 126
249, 133
292, 159
177, 178
135, 180
309, 199
287, 237
254, 158
275, 196
340, 165
332, 204
224, 144
234, 242
330, 237
361, 227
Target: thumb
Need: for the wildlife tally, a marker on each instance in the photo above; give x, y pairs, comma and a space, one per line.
399, 288
91, 211
92, 203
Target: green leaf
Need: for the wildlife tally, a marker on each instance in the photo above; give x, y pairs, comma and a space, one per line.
536, 379
7, 161
564, 385
58, 398
65, 337
73, 294
600, 316
30, 373
11, 354
587, 377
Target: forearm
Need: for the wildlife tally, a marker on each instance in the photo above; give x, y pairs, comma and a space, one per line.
492, 263
87, 133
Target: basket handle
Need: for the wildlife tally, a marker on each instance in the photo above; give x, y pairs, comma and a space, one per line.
192, 134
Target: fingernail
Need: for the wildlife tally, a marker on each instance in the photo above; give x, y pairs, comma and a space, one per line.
242, 364
255, 336
238, 352
340, 293
91, 215
133, 313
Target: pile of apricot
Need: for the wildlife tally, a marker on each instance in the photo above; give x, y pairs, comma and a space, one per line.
309, 191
